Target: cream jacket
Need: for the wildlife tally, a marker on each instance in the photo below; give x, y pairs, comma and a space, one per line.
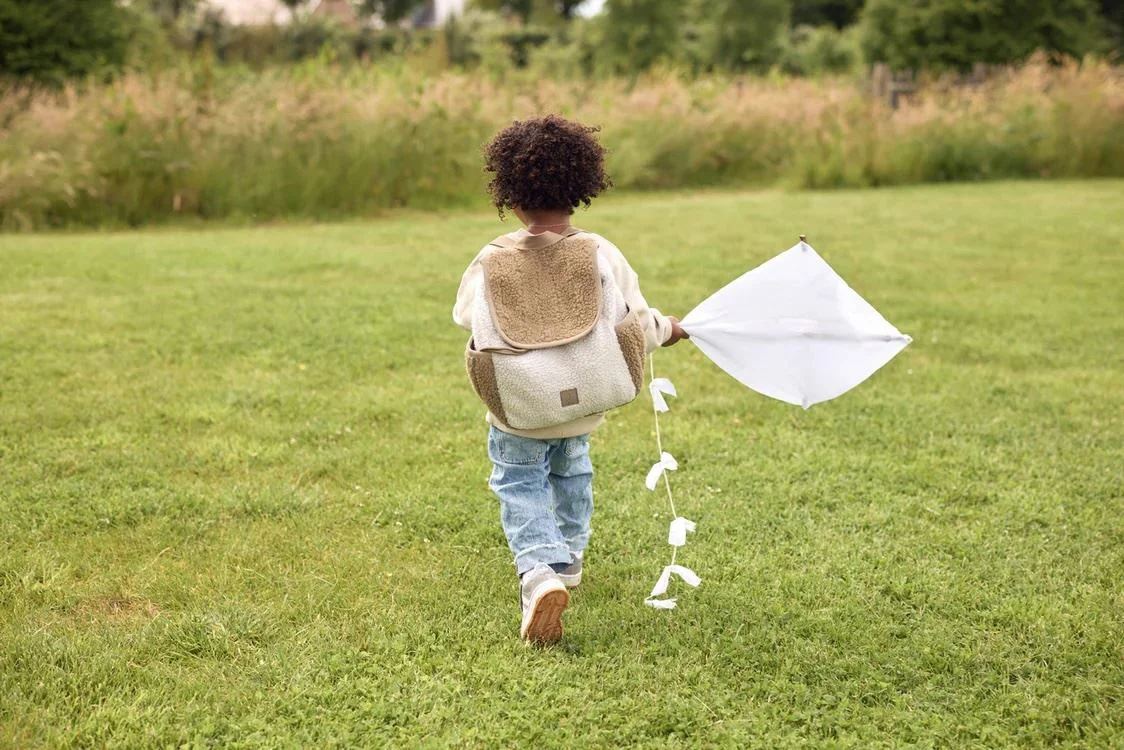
657, 328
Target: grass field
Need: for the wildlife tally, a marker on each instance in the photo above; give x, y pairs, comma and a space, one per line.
243, 498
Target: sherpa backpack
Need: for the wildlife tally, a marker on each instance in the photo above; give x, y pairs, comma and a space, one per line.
552, 338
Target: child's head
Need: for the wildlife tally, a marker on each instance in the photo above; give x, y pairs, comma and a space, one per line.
545, 164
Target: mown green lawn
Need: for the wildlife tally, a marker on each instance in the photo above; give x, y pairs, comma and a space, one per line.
243, 492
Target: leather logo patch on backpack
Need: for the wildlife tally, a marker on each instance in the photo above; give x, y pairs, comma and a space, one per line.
570, 397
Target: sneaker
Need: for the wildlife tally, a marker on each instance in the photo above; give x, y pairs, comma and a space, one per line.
544, 599
571, 575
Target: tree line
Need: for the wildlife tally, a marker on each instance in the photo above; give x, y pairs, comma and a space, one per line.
55, 40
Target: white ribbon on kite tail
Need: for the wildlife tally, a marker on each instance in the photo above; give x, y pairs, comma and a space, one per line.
689, 577
676, 537
667, 462
677, 534
661, 603
680, 526
658, 388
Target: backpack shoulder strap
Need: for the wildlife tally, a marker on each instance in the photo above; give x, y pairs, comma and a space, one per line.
503, 241
534, 240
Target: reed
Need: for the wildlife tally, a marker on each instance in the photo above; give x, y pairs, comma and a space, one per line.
319, 141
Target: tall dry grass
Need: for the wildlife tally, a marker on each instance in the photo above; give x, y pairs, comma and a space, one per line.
321, 141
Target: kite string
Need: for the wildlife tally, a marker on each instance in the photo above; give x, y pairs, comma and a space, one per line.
659, 447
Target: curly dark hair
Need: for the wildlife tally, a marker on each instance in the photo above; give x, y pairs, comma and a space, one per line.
545, 163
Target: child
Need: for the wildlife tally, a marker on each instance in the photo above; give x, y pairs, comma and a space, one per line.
543, 169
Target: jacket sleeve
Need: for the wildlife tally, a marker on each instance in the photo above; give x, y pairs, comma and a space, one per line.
657, 328
466, 294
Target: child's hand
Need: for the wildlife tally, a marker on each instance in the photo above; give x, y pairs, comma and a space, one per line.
677, 333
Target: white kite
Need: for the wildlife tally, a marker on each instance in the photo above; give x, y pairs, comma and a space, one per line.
793, 330
790, 329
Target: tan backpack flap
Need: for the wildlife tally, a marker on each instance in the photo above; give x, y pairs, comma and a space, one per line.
545, 291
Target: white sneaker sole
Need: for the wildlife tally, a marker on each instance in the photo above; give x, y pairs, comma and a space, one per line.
543, 626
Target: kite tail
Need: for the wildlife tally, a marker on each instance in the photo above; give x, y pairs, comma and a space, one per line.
677, 534
659, 446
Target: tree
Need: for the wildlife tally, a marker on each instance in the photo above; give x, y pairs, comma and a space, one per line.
956, 34
52, 40
294, 7
1113, 12
838, 13
819, 50
639, 33
520, 8
527, 10
170, 11
567, 8
390, 11
741, 34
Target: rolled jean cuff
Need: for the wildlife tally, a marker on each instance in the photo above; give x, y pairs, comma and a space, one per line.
542, 554
577, 544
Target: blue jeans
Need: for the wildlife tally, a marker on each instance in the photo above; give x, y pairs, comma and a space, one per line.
545, 489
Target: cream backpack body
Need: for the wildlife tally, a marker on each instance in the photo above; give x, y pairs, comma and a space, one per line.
552, 337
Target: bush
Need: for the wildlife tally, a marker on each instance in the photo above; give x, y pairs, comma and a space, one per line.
304, 39
836, 13
638, 34
818, 51
567, 60
50, 41
208, 33
953, 34
740, 35
1113, 12
477, 38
